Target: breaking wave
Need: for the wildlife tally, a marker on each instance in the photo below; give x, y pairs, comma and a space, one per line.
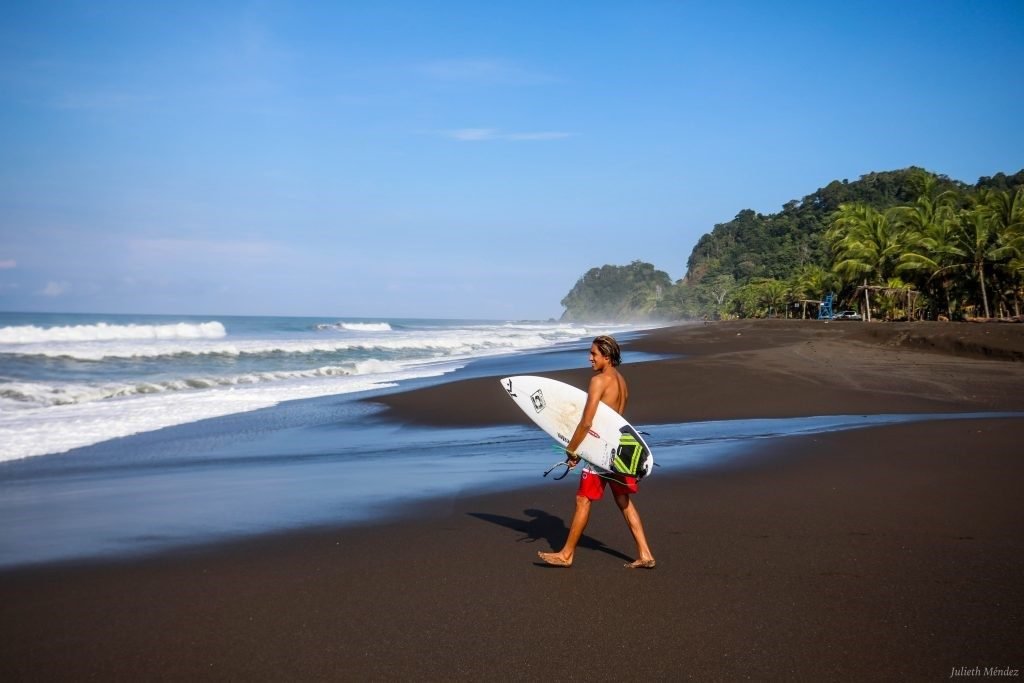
104, 332
39, 394
82, 380
356, 327
457, 344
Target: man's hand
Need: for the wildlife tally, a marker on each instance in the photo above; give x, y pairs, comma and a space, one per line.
571, 458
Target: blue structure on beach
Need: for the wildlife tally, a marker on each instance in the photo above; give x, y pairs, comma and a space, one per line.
825, 309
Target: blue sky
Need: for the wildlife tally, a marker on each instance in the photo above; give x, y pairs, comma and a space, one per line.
455, 159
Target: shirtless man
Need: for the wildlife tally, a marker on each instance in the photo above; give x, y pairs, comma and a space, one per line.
608, 387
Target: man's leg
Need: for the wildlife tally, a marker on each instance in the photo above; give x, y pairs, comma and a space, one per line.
645, 559
563, 558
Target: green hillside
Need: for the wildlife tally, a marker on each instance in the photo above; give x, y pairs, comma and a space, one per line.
617, 293
896, 244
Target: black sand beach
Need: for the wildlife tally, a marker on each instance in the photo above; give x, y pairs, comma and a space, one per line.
892, 552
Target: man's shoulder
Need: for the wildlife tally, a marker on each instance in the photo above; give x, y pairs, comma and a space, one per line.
599, 381
605, 379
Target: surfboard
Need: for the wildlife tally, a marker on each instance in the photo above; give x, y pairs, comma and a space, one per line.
612, 445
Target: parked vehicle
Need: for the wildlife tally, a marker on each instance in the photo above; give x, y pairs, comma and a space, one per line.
847, 315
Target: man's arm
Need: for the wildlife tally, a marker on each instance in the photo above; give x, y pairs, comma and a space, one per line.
594, 393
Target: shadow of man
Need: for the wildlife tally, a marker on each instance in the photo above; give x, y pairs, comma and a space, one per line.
540, 525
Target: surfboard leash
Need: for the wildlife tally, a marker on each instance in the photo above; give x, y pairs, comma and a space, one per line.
568, 468
610, 477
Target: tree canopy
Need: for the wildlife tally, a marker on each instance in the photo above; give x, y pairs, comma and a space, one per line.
617, 293
958, 248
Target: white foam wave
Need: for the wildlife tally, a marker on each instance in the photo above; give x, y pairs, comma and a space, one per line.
104, 332
364, 327
23, 395
461, 342
38, 418
57, 429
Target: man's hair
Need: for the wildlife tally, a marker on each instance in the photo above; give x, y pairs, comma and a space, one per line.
609, 348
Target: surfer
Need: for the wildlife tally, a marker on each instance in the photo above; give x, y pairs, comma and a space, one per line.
606, 386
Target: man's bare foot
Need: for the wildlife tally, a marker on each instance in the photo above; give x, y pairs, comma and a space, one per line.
640, 564
554, 559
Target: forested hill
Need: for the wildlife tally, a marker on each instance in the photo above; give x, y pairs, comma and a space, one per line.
757, 264
617, 293
775, 245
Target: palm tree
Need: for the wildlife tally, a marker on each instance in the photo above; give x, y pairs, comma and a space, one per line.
895, 299
773, 294
812, 281
977, 239
929, 229
977, 247
1015, 268
867, 245
1006, 211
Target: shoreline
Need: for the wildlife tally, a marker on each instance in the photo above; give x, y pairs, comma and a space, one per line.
774, 368
870, 553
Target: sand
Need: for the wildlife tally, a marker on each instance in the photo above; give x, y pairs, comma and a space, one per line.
883, 553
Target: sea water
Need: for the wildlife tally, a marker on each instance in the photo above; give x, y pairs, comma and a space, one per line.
124, 434
68, 381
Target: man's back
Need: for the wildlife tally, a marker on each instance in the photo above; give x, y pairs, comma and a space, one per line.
612, 388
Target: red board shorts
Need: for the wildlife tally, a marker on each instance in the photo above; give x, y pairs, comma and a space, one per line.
592, 484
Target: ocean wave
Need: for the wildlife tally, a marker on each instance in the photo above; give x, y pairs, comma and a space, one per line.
356, 327
163, 375
423, 345
61, 428
104, 332
20, 395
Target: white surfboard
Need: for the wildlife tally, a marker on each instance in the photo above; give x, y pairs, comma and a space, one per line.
612, 445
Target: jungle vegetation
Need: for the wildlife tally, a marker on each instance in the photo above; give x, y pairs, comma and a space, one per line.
906, 244
626, 293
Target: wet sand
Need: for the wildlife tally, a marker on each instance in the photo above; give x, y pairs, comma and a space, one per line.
871, 554
780, 368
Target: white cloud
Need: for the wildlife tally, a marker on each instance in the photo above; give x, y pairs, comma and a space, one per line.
54, 289
8, 264
471, 134
489, 134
